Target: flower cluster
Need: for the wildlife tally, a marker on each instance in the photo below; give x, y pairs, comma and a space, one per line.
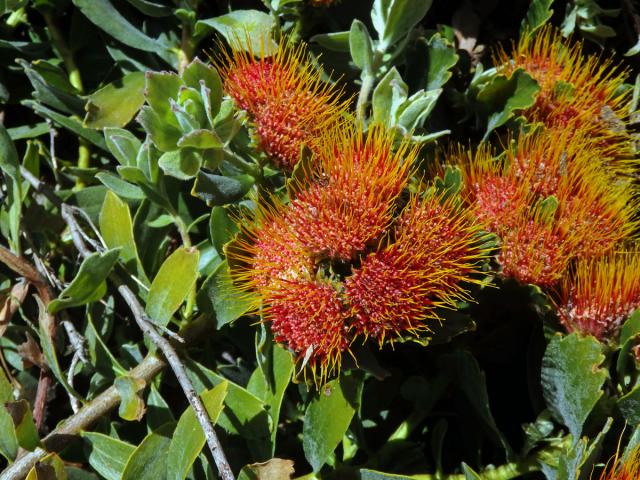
560, 196
287, 101
551, 200
577, 92
350, 257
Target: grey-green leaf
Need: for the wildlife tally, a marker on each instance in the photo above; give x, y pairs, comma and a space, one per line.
572, 379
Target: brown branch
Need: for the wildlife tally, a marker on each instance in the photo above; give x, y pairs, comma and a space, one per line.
86, 416
23, 267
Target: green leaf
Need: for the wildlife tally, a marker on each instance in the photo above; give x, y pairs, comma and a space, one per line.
89, 283
9, 162
123, 145
413, 113
115, 104
107, 455
52, 87
172, 284
469, 474
244, 413
45, 321
150, 8
572, 379
393, 19
472, 382
149, 460
164, 136
390, 93
202, 139
182, 164
334, 41
441, 58
538, 14
629, 406
116, 228
25, 428
366, 474
221, 190
247, 29
361, 46
159, 88
197, 72
326, 420
28, 131
271, 385
50, 467
188, 438
69, 123
8, 438
103, 14
220, 297
131, 404
120, 187
502, 97
222, 228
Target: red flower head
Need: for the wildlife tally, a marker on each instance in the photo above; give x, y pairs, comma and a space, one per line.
435, 249
576, 91
351, 198
284, 96
600, 294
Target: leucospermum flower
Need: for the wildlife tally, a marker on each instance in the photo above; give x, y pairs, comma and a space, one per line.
338, 262
350, 200
600, 294
285, 97
397, 288
576, 91
551, 198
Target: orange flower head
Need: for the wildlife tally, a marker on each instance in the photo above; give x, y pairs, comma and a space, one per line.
494, 195
436, 249
600, 294
538, 248
577, 92
629, 469
350, 201
285, 97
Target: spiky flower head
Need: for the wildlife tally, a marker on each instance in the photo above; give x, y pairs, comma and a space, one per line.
284, 95
623, 469
351, 193
600, 294
336, 264
577, 91
551, 198
435, 249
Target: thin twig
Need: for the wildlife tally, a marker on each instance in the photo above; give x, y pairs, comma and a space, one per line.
148, 328
75, 403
